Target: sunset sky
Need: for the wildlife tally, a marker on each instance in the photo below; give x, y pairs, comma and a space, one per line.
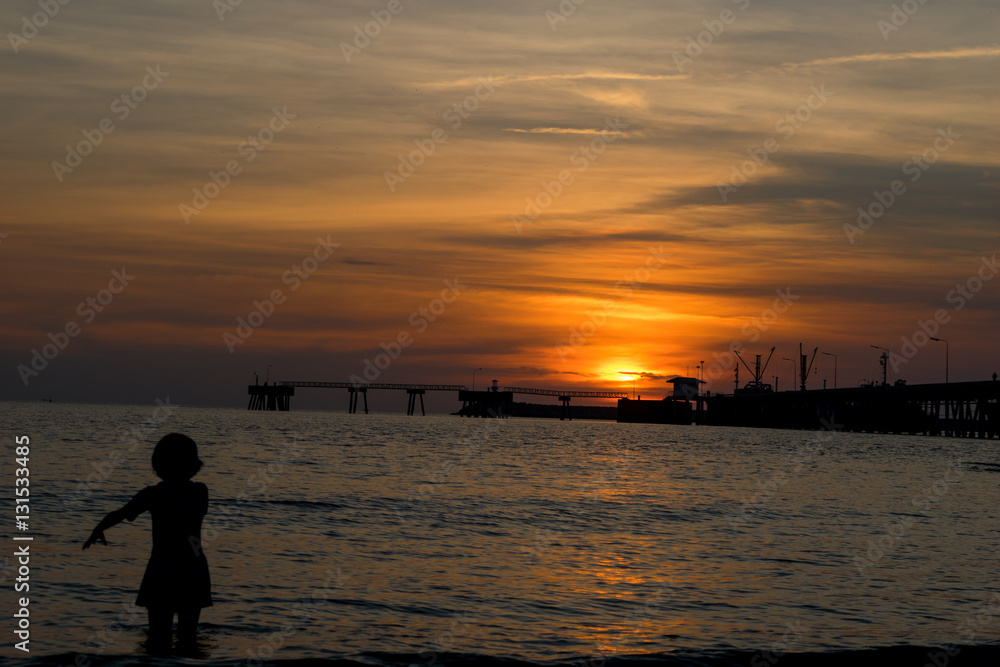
644, 109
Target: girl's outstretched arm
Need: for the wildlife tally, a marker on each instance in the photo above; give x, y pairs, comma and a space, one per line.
112, 519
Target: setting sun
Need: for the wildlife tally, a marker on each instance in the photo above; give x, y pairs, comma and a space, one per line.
522, 333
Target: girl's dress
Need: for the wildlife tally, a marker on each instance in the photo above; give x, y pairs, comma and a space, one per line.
177, 574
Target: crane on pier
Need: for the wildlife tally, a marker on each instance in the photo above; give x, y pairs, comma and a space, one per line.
803, 369
755, 385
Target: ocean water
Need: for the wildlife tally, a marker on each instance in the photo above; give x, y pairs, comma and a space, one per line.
395, 540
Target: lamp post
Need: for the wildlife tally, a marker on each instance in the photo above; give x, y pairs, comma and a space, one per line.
267, 373
474, 378
830, 354
942, 340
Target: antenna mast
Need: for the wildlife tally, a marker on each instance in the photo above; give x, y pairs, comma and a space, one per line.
884, 360
803, 369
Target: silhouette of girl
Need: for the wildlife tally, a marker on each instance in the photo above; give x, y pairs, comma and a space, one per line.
176, 579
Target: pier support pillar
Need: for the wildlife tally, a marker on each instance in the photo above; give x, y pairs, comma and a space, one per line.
412, 404
565, 409
352, 401
270, 397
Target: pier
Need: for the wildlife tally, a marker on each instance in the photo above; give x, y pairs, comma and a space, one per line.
565, 396
270, 397
489, 403
957, 409
355, 391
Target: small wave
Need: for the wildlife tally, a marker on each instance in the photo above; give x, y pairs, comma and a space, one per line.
304, 503
966, 656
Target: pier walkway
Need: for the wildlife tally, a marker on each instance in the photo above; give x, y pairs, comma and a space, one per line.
956, 409
491, 402
564, 396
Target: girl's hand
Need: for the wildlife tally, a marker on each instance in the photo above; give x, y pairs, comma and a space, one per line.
96, 536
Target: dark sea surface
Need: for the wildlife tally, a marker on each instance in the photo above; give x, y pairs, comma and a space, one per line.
395, 540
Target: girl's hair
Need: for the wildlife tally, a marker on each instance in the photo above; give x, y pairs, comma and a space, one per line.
175, 458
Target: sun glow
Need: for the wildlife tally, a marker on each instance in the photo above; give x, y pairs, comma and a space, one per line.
621, 370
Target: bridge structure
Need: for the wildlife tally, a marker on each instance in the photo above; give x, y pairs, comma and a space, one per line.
278, 395
565, 396
490, 403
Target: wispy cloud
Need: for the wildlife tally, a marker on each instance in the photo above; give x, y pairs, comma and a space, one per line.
645, 375
578, 76
972, 52
359, 262
398, 105
554, 130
